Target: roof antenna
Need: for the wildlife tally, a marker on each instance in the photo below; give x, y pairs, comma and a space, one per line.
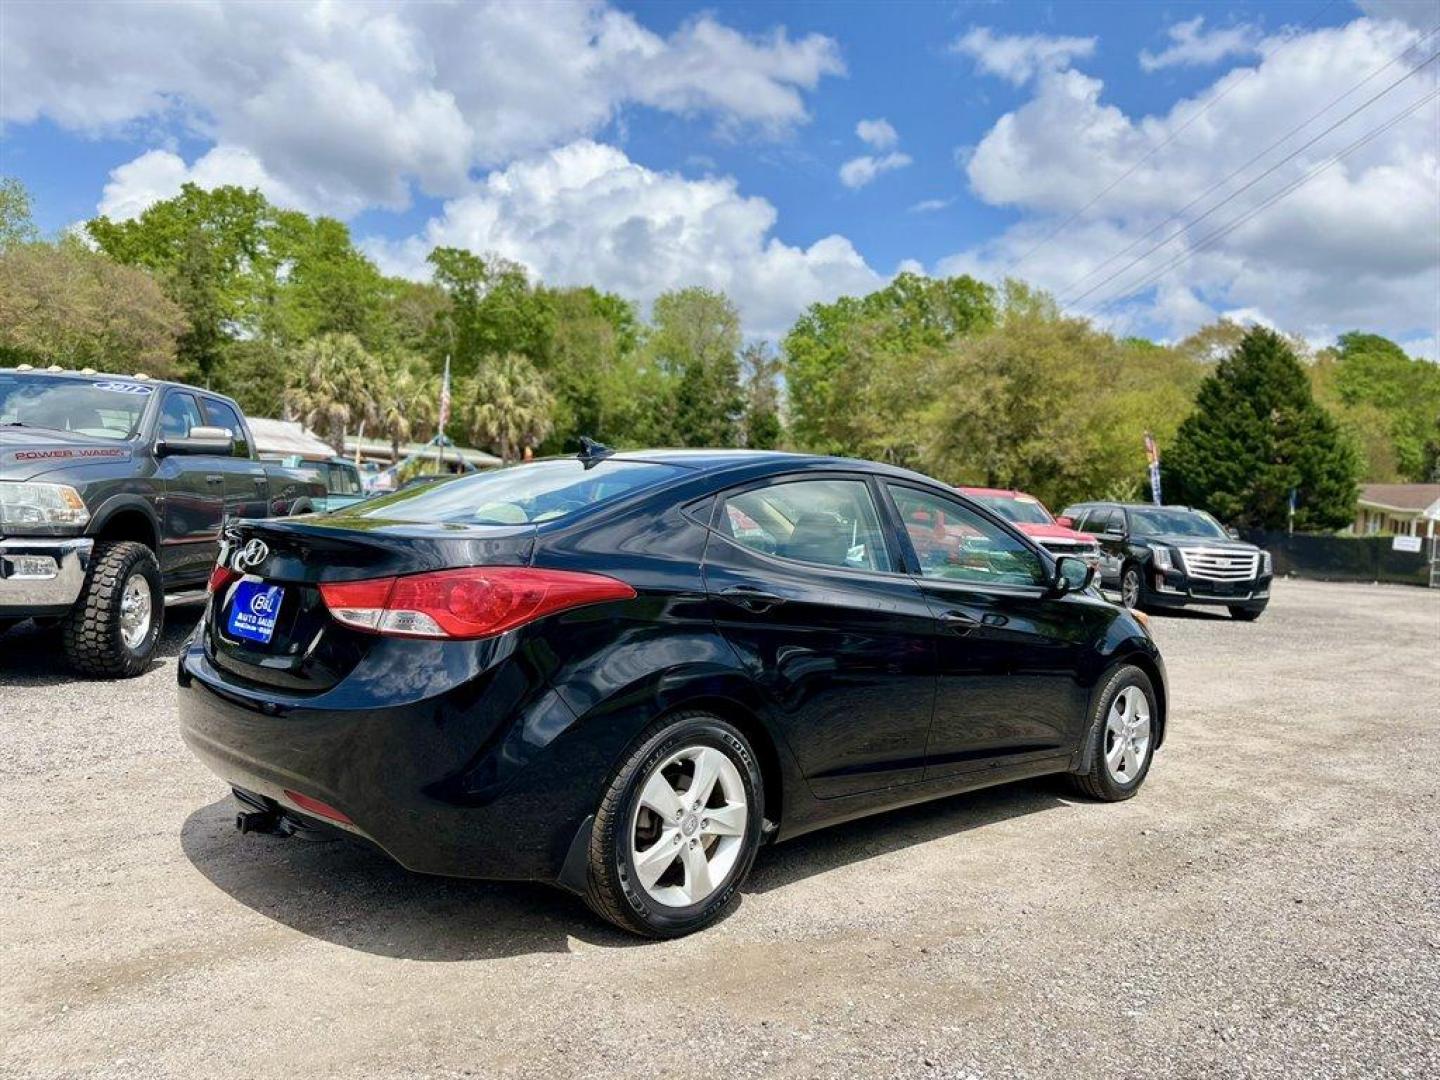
592, 452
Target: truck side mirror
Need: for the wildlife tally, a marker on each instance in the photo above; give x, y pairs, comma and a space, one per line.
201, 440
1065, 521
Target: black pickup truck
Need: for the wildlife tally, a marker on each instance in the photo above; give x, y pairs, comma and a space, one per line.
113, 492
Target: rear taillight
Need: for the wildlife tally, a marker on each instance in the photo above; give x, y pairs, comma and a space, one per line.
474, 602
220, 578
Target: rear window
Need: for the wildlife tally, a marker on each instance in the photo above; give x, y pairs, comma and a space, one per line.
521, 494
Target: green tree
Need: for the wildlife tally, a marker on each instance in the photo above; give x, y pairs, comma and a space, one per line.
494, 310
65, 304
693, 346
588, 365
408, 402
17, 226
507, 406
1390, 401
859, 371
760, 376
1256, 434
334, 389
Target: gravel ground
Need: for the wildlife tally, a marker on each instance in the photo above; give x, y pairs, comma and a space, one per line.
1268, 906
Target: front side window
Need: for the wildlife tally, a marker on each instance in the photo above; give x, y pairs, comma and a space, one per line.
953, 543
823, 522
218, 414
179, 416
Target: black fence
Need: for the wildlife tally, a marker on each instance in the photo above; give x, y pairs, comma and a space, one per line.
1344, 558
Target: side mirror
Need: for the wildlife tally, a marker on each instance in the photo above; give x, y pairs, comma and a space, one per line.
1071, 575
1232, 532
201, 440
1065, 521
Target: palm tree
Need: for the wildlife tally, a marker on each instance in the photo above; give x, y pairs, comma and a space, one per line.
409, 404
335, 387
507, 405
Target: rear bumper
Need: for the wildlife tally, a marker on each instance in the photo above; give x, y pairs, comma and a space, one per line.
432, 782
42, 576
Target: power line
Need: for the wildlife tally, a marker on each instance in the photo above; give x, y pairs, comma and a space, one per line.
1251, 183
1236, 172
1269, 201
1161, 145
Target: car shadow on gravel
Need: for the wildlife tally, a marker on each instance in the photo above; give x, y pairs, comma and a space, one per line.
31, 655
895, 830
350, 895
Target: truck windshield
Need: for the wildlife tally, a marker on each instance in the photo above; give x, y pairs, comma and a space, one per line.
1166, 522
521, 494
1023, 510
99, 408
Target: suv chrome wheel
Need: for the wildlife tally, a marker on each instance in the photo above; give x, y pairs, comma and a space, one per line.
689, 826
1130, 587
1127, 734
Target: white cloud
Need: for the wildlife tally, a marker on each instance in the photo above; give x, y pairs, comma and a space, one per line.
159, 174
585, 213
857, 172
1019, 58
1194, 46
347, 105
1357, 246
878, 133
930, 206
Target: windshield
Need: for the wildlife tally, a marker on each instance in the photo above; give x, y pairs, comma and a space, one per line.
1165, 522
519, 495
103, 409
1021, 509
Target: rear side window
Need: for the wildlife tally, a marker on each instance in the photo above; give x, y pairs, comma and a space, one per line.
218, 414
533, 493
824, 522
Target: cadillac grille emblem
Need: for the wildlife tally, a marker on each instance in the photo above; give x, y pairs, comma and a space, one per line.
252, 555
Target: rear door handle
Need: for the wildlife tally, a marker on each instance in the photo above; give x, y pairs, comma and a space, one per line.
750, 598
958, 622
214, 478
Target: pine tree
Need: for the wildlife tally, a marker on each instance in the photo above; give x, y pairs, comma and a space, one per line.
1255, 434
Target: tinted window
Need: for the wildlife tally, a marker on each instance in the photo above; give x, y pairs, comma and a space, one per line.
1163, 521
218, 414
1104, 519
1022, 509
954, 543
825, 522
104, 408
341, 480
532, 493
180, 415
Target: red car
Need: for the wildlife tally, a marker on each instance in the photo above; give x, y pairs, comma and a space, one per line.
1028, 514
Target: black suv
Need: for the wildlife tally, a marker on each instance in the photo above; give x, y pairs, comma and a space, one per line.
1173, 556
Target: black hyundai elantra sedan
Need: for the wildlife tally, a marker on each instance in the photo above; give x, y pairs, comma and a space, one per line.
624, 672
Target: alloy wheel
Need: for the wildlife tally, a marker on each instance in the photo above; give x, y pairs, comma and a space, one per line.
136, 610
1127, 735
1130, 588
688, 827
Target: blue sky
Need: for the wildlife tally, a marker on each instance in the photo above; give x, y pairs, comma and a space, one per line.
646, 146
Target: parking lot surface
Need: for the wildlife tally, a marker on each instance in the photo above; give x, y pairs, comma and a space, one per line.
1269, 905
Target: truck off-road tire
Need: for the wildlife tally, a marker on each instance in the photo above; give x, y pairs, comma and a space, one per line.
112, 631
666, 859
1122, 733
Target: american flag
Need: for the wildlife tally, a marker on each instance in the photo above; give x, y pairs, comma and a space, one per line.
445, 397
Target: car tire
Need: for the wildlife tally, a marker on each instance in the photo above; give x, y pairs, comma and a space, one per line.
1132, 584
1124, 710
652, 896
115, 625
1246, 614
